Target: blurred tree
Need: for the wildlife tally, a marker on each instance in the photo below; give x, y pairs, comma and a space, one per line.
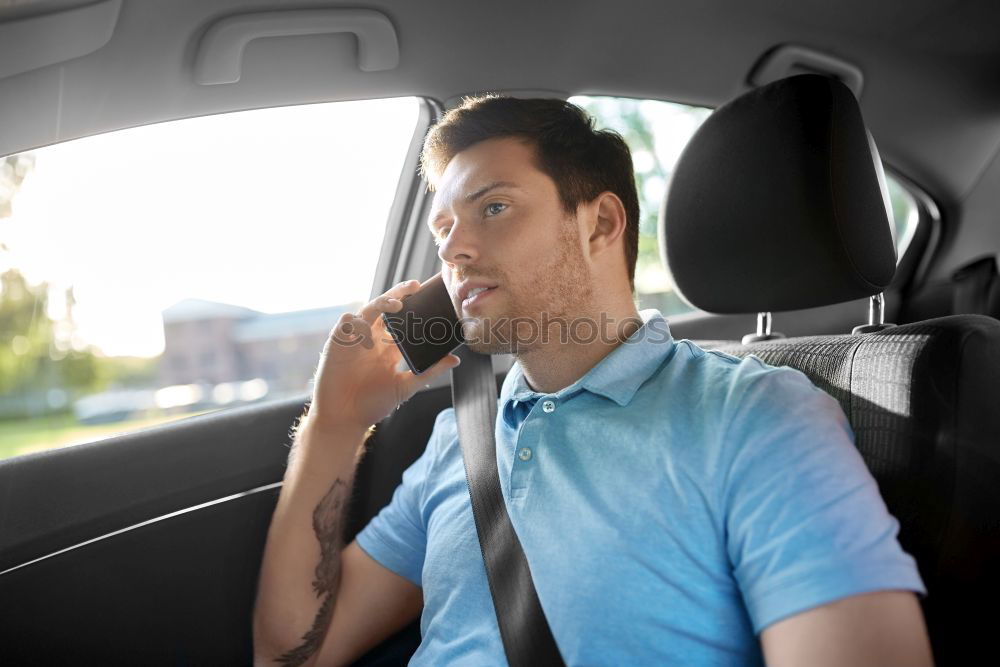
127, 371
13, 169
903, 204
33, 357
30, 359
625, 117
23, 336
37, 353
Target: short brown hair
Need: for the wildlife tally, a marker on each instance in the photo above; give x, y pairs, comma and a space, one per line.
582, 161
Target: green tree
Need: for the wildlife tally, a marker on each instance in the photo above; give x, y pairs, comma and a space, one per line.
24, 337
625, 117
639, 138
30, 359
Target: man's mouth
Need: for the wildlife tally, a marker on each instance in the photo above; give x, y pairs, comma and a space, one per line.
477, 295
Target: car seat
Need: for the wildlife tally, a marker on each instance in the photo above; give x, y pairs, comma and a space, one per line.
778, 203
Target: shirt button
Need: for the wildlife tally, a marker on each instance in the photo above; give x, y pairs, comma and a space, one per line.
524, 454
549, 406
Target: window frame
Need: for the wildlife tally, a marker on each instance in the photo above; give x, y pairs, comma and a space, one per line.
405, 250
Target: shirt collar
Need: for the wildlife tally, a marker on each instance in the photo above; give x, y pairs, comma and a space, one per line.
617, 376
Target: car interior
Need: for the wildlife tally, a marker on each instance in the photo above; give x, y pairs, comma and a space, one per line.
145, 547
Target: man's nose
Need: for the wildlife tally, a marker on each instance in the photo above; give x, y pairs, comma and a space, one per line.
460, 246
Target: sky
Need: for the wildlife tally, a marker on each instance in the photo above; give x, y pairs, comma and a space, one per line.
276, 210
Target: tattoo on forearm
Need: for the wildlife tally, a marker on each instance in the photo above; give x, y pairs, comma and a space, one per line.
327, 521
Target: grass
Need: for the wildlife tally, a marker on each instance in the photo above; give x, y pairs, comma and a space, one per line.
23, 436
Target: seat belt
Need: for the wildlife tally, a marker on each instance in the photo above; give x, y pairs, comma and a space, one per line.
527, 638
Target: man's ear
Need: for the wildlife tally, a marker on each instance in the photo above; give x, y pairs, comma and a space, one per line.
609, 221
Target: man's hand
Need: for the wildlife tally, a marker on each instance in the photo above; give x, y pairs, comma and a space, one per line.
358, 382
880, 629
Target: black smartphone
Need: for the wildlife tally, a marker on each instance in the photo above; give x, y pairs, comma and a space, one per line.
427, 329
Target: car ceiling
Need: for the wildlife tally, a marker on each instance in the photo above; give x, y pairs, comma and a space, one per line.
930, 97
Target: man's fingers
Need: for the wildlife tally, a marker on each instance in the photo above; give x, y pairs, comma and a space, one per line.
389, 302
364, 331
343, 331
384, 303
351, 330
361, 332
412, 383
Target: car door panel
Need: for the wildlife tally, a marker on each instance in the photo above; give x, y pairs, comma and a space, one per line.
145, 548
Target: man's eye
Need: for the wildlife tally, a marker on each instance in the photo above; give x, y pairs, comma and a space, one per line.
494, 208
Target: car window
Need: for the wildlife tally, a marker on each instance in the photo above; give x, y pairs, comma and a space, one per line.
657, 132
174, 269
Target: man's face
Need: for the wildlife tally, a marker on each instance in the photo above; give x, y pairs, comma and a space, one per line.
500, 224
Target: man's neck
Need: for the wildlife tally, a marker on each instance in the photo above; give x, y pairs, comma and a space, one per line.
559, 363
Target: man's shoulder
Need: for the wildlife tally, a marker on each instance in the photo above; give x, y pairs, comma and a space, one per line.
741, 389
727, 373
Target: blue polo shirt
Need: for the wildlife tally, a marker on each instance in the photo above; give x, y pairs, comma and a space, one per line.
672, 503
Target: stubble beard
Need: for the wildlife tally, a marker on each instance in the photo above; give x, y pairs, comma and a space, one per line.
554, 294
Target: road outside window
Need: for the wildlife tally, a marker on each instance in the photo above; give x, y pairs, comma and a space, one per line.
174, 269
657, 132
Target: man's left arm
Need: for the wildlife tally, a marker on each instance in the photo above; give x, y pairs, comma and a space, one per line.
879, 629
812, 544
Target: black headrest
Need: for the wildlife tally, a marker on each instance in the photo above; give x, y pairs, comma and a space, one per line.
779, 202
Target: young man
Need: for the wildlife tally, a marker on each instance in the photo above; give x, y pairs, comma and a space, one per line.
675, 506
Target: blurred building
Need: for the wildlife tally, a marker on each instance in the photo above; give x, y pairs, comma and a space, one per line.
211, 343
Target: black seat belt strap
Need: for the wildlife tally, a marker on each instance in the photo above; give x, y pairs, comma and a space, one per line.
527, 638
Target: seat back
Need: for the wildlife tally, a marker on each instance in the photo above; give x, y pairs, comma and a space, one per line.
804, 229
922, 400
